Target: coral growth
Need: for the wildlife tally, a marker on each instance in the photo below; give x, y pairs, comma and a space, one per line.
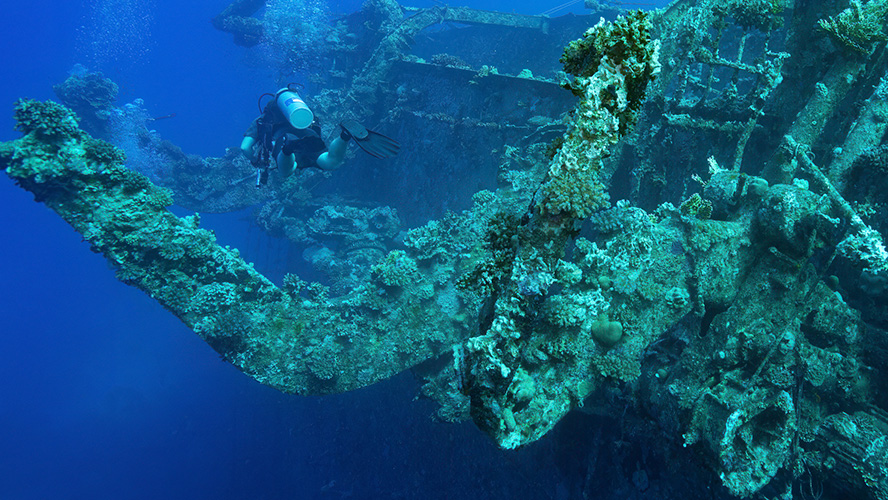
294, 33
859, 26
612, 65
91, 96
48, 121
761, 14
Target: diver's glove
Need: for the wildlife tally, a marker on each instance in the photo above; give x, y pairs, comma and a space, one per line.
373, 143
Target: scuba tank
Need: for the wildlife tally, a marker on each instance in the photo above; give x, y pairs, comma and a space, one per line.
294, 108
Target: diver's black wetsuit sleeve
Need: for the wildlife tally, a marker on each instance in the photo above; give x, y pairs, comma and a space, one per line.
253, 129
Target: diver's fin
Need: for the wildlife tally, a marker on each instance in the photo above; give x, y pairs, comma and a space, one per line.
373, 143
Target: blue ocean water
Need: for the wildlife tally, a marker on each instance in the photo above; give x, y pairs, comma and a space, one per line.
106, 395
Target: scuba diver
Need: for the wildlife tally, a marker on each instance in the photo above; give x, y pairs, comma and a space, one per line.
288, 132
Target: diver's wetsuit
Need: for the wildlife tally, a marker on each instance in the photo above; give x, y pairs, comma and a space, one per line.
273, 136
306, 144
